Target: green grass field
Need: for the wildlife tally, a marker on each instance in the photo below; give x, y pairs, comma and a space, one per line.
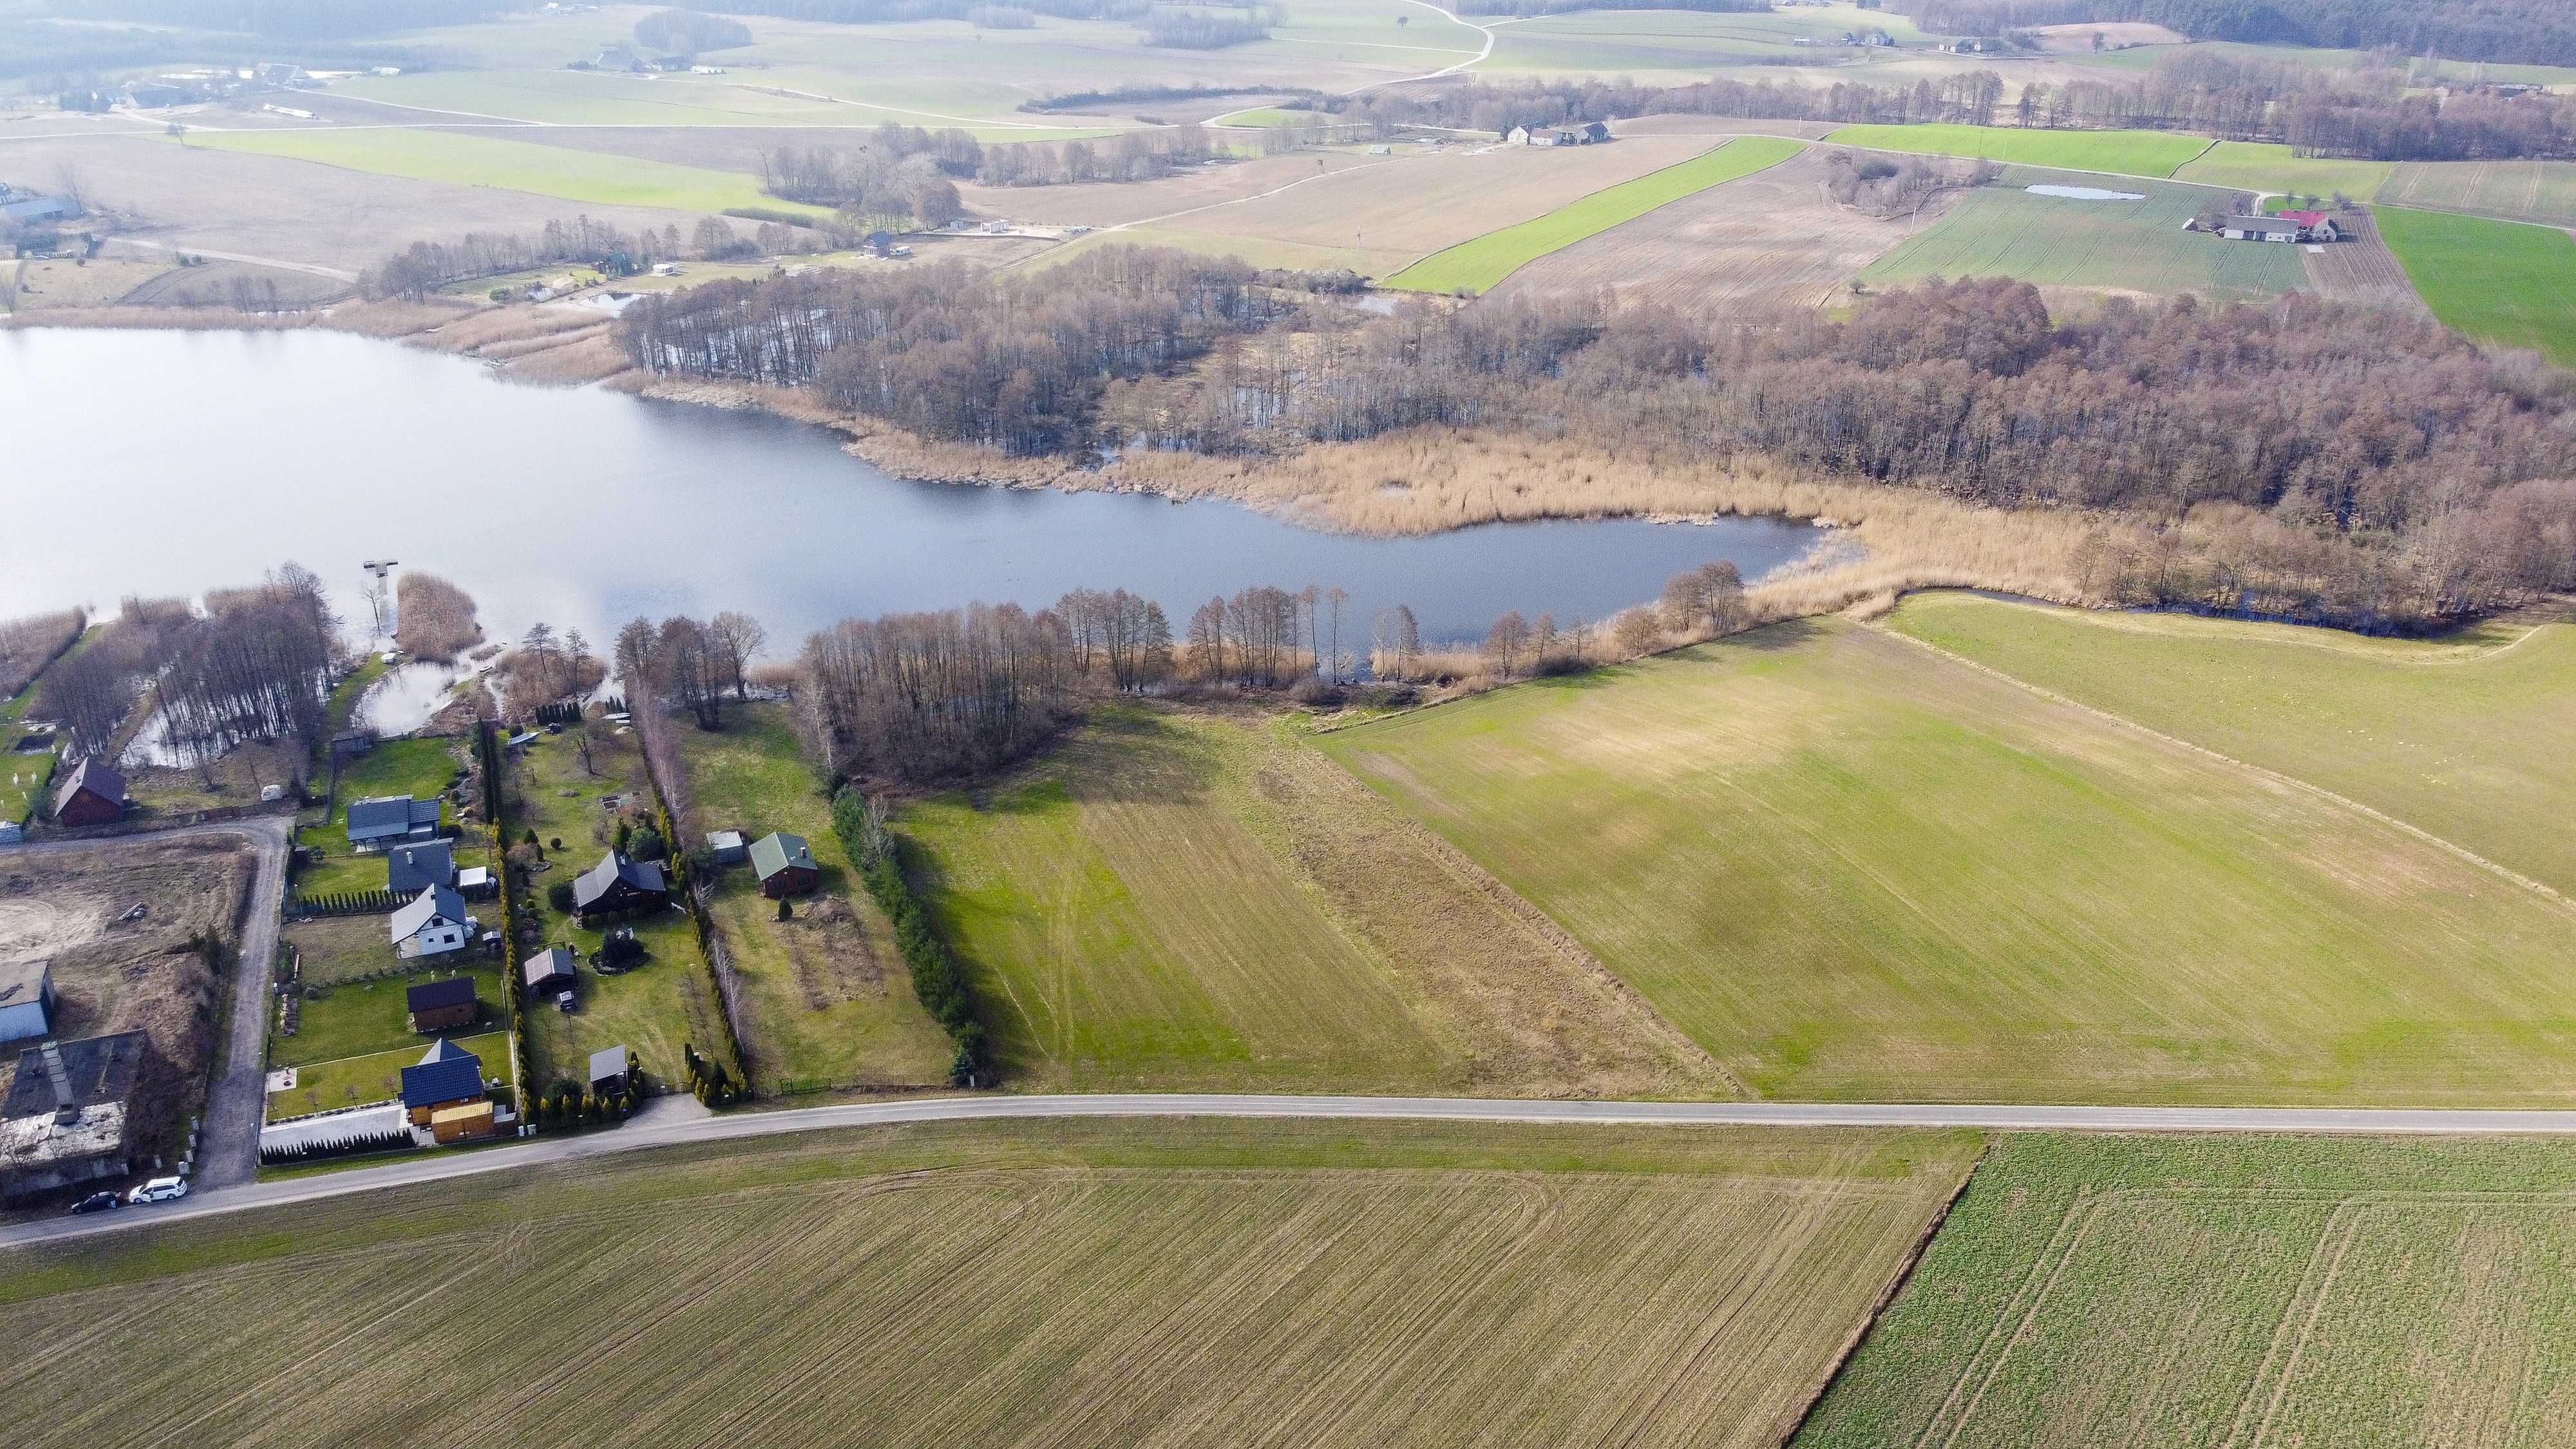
326, 1086
2543, 191
2259, 166
827, 997
2354, 1292
1681, 46
1185, 901
650, 1009
1071, 1282
2499, 282
464, 159
1485, 261
2128, 153
356, 1018
2472, 737
1855, 870
2004, 230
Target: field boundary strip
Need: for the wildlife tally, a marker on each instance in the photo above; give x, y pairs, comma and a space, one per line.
2458, 851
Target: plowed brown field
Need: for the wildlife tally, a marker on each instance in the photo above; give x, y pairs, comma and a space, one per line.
2360, 268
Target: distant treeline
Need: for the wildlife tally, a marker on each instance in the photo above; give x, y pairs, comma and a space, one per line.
64, 57
1141, 95
426, 266
292, 19
254, 666
1183, 28
2537, 32
690, 31
1525, 8
880, 12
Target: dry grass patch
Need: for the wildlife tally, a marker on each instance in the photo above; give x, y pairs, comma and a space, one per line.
1066, 1282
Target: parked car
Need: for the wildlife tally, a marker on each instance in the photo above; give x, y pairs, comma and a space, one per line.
98, 1202
159, 1189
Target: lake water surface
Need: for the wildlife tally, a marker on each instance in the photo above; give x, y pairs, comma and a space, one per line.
172, 462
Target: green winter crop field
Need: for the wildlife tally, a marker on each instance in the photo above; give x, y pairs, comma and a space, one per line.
2005, 230
1199, 902
2261, 166
2129, 153
2239, 1290
2497, 281
1149, 1282
1854, 869
2471, 737
2511, 190
482, 160
1485, 261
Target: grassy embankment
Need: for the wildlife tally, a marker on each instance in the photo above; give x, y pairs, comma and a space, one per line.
2500, 282
1853, 869
1178, 900
826, 997
649, 1009
1487, 260
1312, 1283
2205, 1290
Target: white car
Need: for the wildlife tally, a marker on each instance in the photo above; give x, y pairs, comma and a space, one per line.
159, 1189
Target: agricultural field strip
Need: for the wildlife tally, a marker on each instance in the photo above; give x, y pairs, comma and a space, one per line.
2458, 851
665, 1128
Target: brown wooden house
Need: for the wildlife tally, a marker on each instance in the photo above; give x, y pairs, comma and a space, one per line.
784, 864
92, 794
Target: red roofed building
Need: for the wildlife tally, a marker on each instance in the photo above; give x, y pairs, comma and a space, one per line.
2314, 226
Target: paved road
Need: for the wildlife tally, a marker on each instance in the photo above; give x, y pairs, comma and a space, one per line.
679, 1121
229, 1149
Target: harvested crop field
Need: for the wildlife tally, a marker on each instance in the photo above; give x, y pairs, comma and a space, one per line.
2244, 1291
478, 159
2003, 229
1772, 237
1854, 869
2509, 190
219, 283
2360, 268
1307, 938
1121, 203
1484, 262
2500, 282
1072, 1282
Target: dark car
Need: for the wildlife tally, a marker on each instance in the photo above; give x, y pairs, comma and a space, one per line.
98, 1202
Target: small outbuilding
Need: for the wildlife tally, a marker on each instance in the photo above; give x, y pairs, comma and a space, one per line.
383, 821
447, 1076
463, 1122
729, 847
416, 865
1595, 132
548, 974
443, 1005
608, 1071
92, 794
432, 924
618, 885
784, 864
27, 1000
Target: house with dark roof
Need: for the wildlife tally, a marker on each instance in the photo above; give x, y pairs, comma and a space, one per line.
442, 1005
77, 1111
784, 865
447, 1076
431, 924
1595, 132
34, 209
608, 1071
548, 974
381, 821
618, 885
92, 794
416, 865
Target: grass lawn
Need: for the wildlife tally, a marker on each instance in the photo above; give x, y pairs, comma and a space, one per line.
650, 1009
356, 1018
2207, 1290
2006, 230
2126, 153
1182, 900
420, 768
467, 159
2471, 737
376, 1077
1003, 1282
827, 997
23, 776
2262, 166
2502, 282
1853, 869
1485, 261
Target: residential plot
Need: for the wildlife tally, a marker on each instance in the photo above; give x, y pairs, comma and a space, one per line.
2511, 190
1180, 900
2500, 282
1068, 1281
1773, 237
2472, 737
825, 997
1484, 262
2237, 1290
1852, 868
2127, 153
2130, 242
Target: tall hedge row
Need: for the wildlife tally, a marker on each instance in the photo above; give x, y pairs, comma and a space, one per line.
936, 978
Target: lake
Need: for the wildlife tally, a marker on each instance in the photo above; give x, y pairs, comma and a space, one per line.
166, 463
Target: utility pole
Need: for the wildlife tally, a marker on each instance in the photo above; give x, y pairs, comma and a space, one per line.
376, 600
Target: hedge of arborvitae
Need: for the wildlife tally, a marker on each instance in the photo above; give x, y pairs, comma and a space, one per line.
936, 978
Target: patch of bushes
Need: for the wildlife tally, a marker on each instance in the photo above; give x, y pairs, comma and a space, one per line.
936, 979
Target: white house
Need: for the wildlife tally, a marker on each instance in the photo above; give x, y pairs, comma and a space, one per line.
26, 1000
433, 924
